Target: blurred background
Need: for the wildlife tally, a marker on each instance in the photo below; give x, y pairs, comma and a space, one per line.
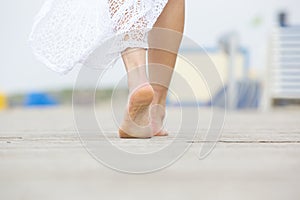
255, 48
254, 44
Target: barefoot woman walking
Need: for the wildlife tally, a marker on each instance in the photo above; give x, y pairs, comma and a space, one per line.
67, 32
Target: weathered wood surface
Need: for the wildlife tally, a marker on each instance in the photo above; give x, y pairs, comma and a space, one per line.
257, 157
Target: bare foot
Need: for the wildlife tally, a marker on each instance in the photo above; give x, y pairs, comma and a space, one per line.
136, 122
157, 120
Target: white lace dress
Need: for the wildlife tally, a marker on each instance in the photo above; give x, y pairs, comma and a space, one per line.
67, 33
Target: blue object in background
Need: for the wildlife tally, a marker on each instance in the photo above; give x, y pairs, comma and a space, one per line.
39, 99
248, 95
282, 19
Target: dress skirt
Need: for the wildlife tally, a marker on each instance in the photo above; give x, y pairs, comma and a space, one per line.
68, 33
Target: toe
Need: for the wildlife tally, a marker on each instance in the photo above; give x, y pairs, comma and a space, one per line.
162, 133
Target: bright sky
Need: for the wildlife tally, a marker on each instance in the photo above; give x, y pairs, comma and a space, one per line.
206, 21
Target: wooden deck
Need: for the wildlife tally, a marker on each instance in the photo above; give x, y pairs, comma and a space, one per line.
257, 157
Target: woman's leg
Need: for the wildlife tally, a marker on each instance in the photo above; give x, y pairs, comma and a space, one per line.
135, 63
172, 18
136, 120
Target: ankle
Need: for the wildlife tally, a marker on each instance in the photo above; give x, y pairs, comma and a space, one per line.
137, 77
160, 95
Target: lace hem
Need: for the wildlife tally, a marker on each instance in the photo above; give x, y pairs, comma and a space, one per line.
67, 33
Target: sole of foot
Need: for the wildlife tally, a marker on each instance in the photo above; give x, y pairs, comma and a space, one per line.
136, 122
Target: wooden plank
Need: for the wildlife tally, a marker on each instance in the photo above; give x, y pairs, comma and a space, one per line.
257, 157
